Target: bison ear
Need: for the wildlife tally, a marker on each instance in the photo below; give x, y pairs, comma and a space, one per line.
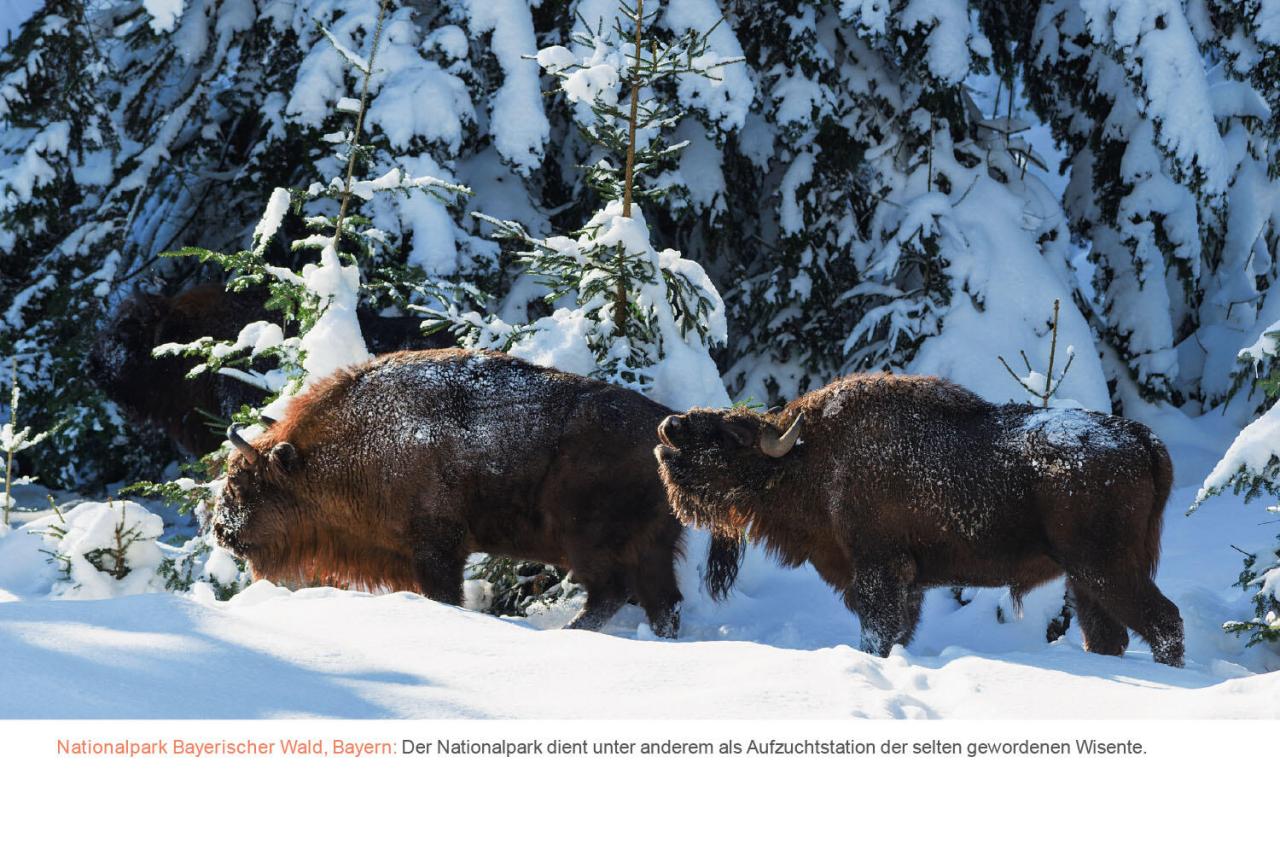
284, 456
738, 432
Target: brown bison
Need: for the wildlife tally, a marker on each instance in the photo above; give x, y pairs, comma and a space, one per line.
155, 391
389, 474
890, 484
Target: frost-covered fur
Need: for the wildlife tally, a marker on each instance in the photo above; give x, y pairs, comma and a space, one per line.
155, 390
391, 473
900, 483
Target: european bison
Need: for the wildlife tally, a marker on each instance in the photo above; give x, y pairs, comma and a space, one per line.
155, 390
890, 484
389, 474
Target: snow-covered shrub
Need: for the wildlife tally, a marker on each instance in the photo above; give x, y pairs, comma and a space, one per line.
106, 549
1044, 386
510, 587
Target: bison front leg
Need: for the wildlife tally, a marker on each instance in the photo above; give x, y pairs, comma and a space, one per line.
604, 599
438, 561
654, 578
886, 601
439, 576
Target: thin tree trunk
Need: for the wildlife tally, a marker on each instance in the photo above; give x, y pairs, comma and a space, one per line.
620, 295
355, 136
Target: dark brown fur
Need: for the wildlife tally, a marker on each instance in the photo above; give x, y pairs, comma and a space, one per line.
901, 483
389, 474
154, 391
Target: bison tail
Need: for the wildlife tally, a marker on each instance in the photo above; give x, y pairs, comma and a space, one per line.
722, 563
1162, 479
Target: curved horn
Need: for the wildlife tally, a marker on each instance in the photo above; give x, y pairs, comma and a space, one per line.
266, 420
242, 444
779, 446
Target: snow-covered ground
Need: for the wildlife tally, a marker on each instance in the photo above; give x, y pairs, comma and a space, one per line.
780, 647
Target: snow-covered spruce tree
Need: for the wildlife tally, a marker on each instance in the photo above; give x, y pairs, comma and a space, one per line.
909, 224
159, 125
1260, 579
320, 299
14, 439
1162, 109
57, 131
620, 310
623, 310
1252, 466
322, 296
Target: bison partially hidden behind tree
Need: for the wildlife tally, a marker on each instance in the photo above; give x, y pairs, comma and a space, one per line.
389, 474
893, 484
156, 391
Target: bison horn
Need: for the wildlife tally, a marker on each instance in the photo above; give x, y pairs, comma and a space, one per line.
242, 444
266, 420
779, 446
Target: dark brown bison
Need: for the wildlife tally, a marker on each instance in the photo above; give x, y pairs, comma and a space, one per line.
389, 474
892, 484
155, 391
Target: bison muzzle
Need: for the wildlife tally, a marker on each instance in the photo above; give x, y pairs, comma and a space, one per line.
893, 484
390, 474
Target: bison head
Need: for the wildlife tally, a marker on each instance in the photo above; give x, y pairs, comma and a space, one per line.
715, 463
122, 349
259, 506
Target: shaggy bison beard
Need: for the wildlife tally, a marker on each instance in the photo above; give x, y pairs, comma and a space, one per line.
713, 483
901, 483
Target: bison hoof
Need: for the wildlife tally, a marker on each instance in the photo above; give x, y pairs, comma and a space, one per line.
1171, 655
667, 625
874, 644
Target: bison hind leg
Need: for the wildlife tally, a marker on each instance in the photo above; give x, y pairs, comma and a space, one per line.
1140, 605
1158, 622
1103, 633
